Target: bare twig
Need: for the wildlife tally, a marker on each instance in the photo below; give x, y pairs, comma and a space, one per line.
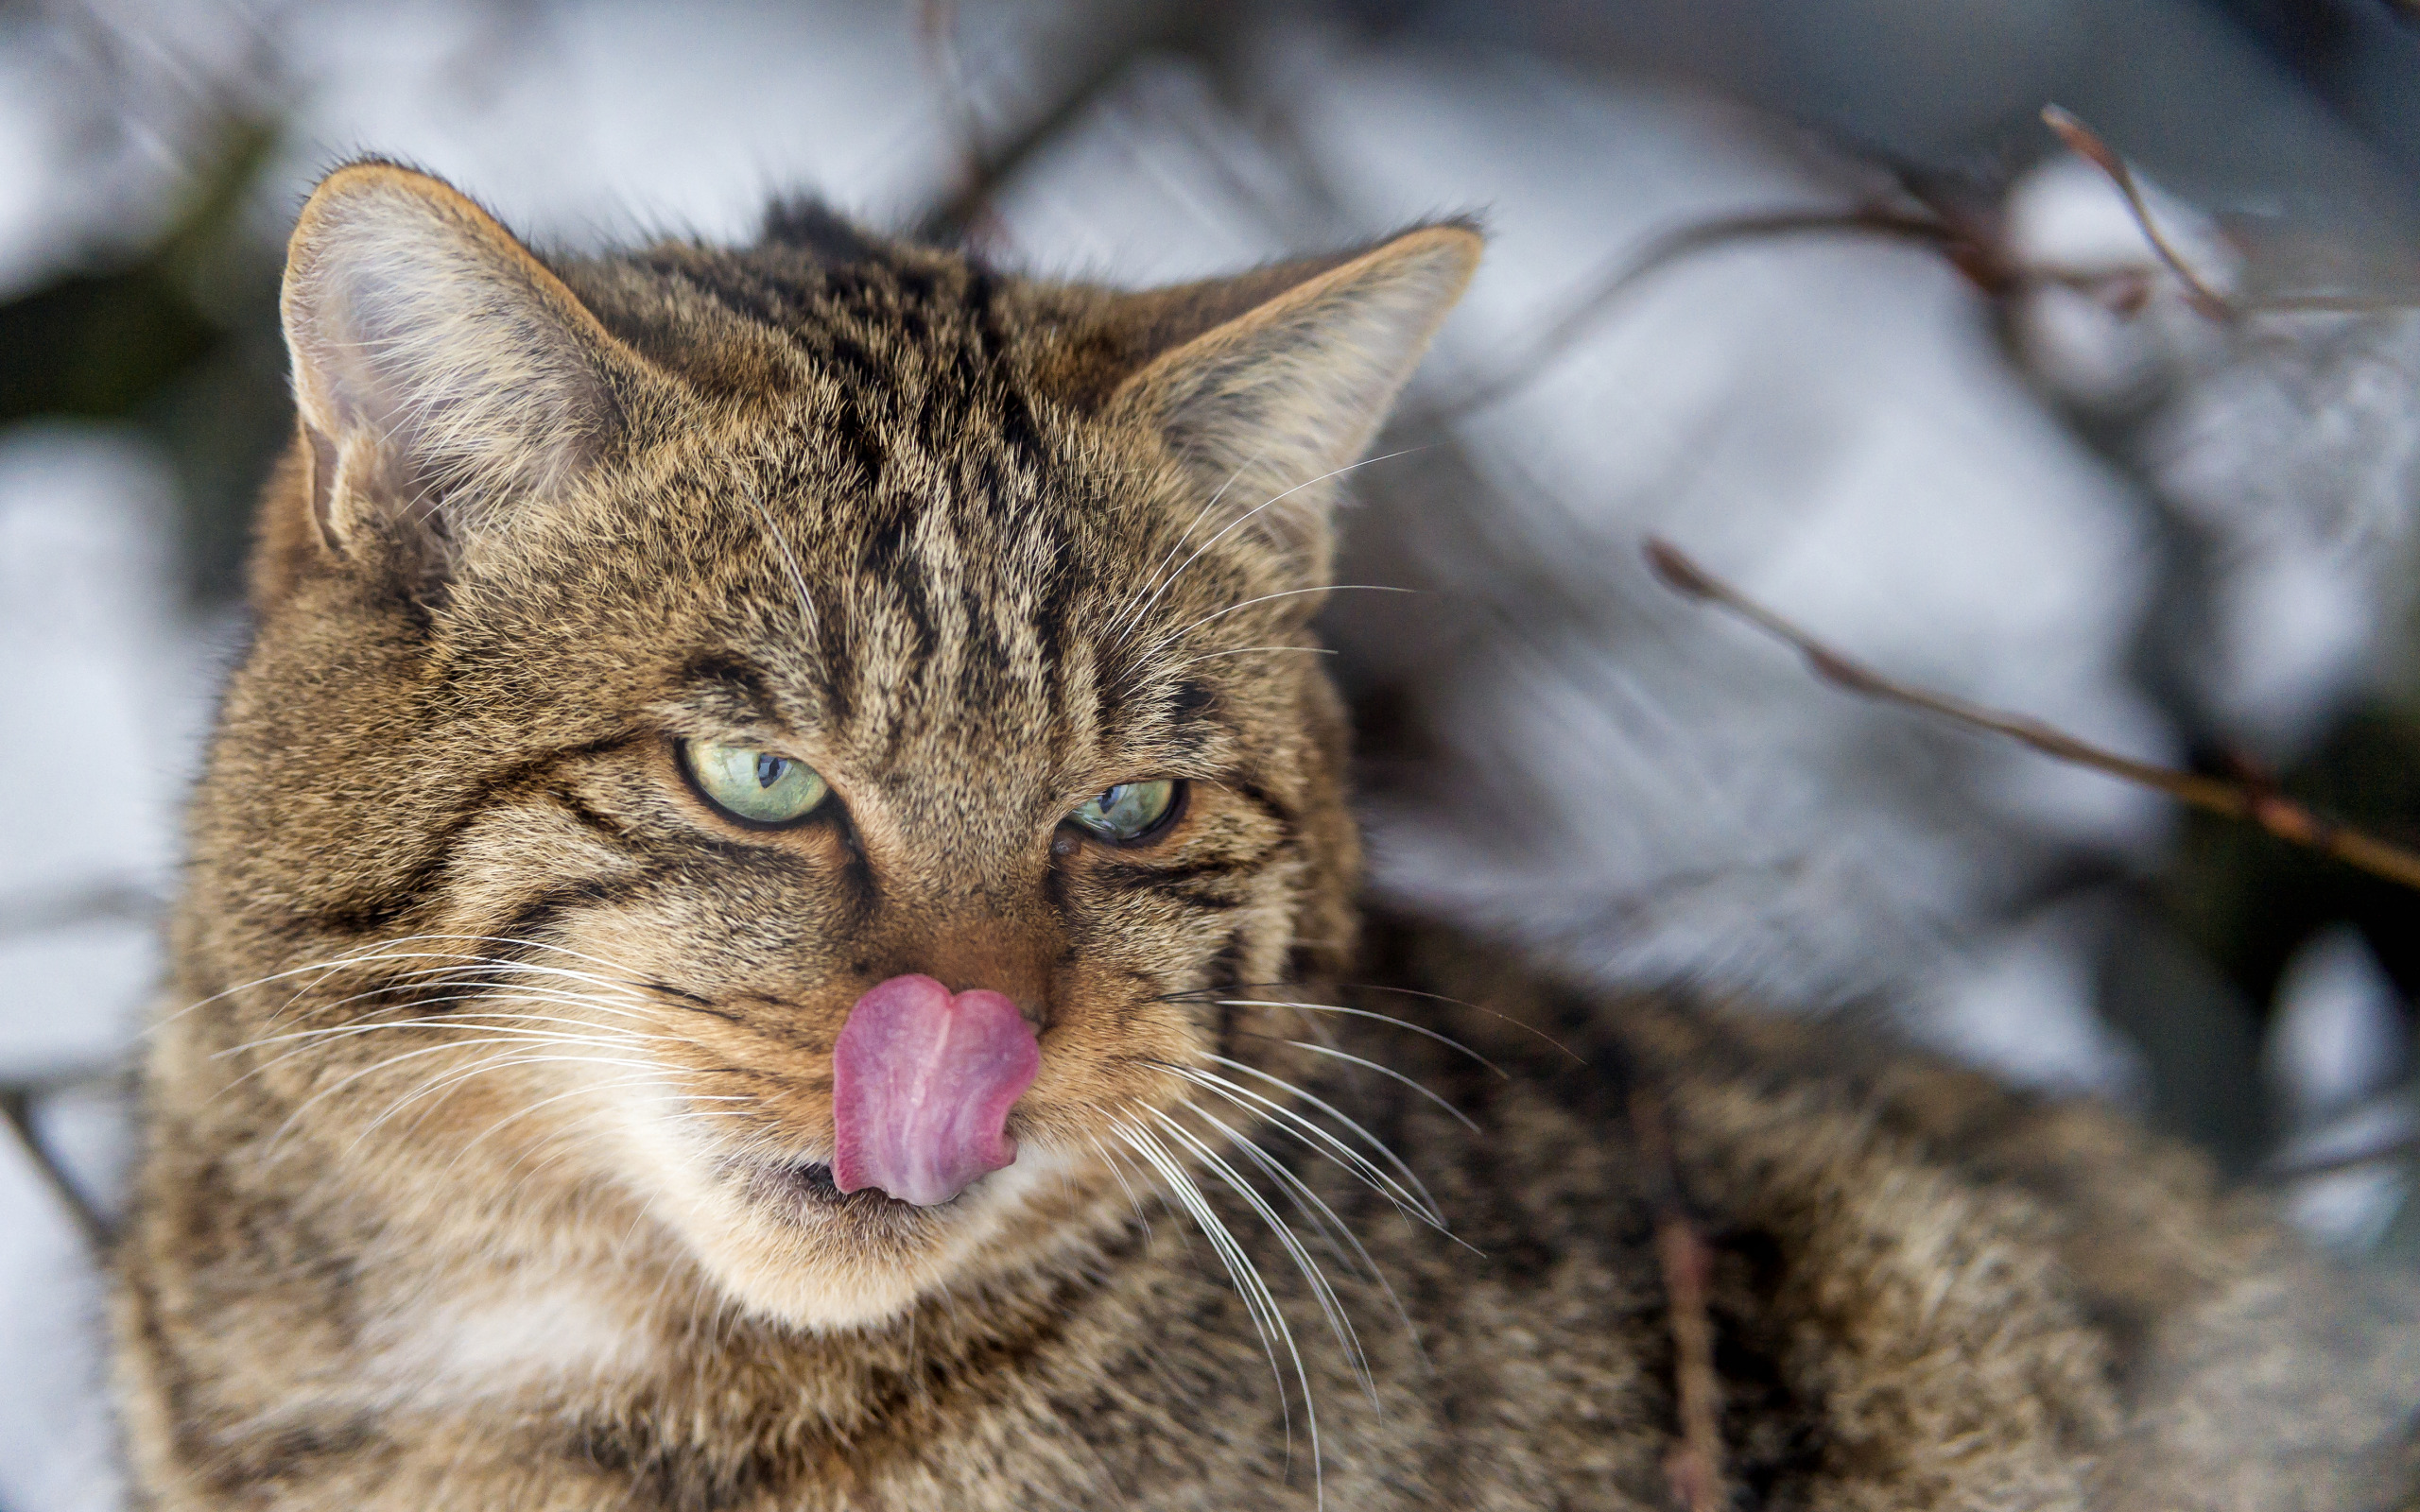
1695, 1465
1101, 51
2394, 1148
1608, 288
970, 194
16, 1109
2087, 144
102, 902
2237, 798
1971, 247
2362, 1138
1971, 243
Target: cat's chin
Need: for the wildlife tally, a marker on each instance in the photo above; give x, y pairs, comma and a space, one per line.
785, 1242
809, 1184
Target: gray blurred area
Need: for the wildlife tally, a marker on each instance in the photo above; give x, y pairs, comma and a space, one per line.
2006, 457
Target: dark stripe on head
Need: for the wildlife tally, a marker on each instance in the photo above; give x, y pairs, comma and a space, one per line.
552, 905
380, 912
1133, 874
1261, 799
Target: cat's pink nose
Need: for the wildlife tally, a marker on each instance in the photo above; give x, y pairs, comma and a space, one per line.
922, 1083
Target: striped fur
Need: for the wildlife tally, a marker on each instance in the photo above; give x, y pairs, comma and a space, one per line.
482, 1166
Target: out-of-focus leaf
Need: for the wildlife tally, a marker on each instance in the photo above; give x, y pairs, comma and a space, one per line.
97, 345
180, 337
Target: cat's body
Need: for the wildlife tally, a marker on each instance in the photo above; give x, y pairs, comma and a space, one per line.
499, 1162
1926, 1293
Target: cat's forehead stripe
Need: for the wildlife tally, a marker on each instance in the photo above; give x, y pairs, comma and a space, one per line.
932, 558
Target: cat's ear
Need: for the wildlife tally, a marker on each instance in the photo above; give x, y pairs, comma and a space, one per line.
441, 373
1265, 406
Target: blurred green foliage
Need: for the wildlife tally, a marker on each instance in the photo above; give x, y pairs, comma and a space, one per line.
2250, 899
178, 338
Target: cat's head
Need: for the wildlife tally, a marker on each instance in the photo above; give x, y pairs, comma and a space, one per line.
667, 661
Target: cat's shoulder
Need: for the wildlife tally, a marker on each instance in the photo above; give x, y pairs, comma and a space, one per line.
1938, 1238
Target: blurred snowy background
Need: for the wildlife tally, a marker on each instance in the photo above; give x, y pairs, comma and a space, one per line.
2030, 474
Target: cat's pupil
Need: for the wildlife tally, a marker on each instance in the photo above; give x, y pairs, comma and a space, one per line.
769, 769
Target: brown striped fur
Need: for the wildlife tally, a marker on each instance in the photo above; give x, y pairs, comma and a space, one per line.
934, 529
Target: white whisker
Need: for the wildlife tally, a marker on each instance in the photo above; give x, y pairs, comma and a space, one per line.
1285, 1330
1118, 1169
1331, 1306
447, 1081
649, 1074
496, 1024
1246, 650
1291, 592
445, 1047
1195, 524
1447, 1041
1269, 1320
1238, 521
419, 1020
798, 578
1299, 1192
1401, 1166
1465, 1119
379, 950
478, 969
1418, 1203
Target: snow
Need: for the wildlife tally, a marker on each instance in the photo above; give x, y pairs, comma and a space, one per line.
107, 686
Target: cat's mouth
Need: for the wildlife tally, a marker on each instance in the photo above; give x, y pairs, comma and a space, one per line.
810, 1185
811, 1182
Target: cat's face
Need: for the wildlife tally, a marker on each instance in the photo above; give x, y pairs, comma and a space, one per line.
640, 702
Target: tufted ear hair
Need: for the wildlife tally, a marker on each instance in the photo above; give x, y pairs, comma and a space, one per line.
1265, 405
441, 373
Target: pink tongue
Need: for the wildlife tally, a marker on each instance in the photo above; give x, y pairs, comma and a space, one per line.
921, 1084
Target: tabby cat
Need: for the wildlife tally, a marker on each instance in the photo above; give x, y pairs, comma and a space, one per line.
772, 926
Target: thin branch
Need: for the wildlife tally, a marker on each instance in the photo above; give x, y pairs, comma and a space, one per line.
1971, 248
1694, 1466
2237, 798
102, 902
969, 199
2084, 142
16, 1109
2394, 1147
2372, 1145
1104, 52
1616, 281
2087, 144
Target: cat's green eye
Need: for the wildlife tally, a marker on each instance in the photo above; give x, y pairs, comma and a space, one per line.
1127, 812
754, 787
